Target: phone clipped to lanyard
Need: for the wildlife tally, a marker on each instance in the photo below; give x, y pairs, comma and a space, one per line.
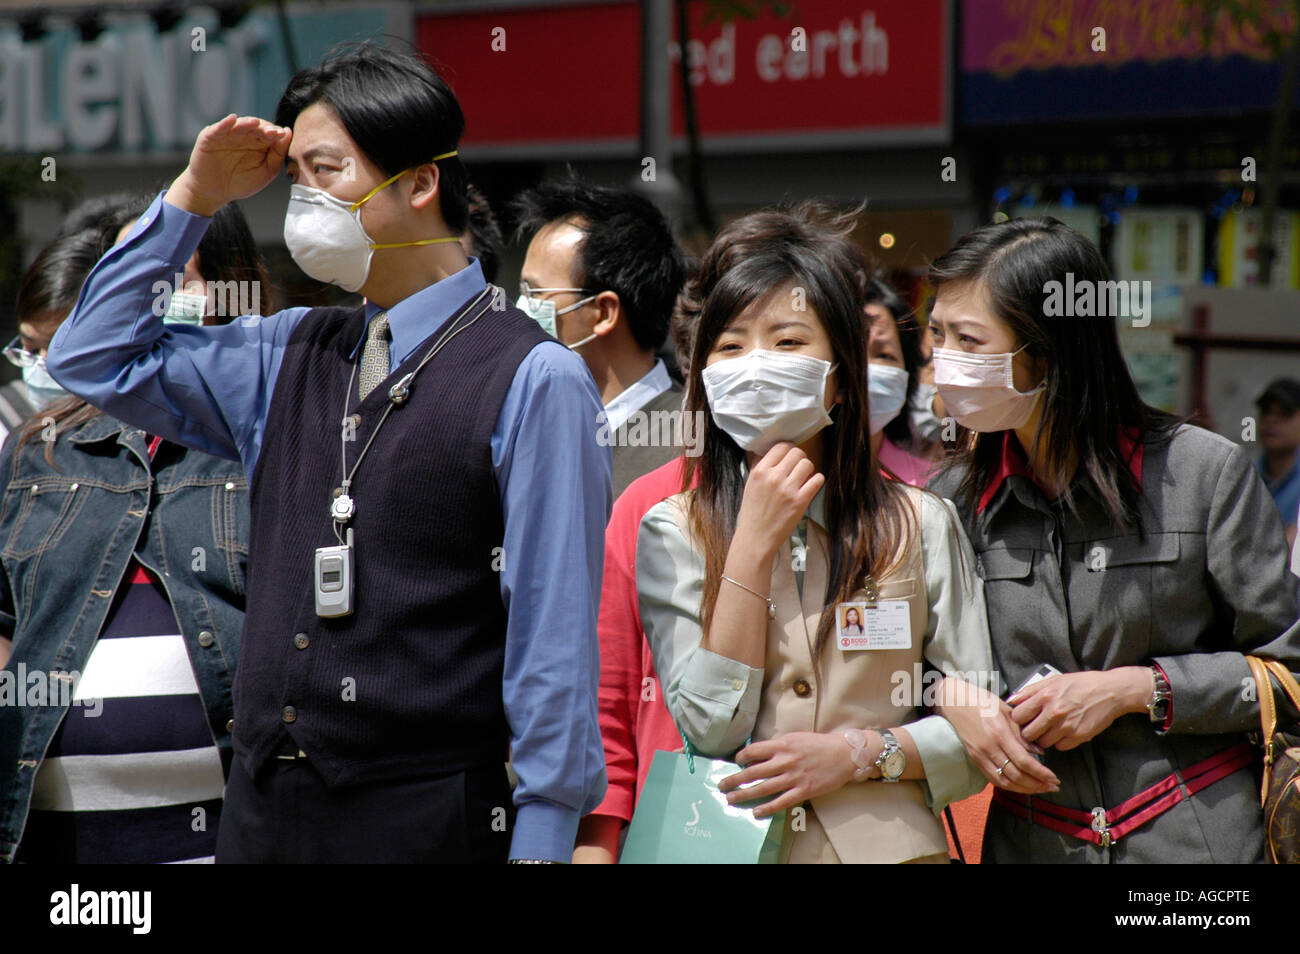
334, 579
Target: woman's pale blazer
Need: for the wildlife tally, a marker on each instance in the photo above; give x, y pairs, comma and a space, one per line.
719, 703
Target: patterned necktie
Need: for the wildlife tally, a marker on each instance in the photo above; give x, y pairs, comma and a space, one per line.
374, 360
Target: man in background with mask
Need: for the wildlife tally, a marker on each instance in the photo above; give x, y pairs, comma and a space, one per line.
601, 274
424, 570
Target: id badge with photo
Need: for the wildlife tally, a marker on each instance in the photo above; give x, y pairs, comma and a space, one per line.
886, 624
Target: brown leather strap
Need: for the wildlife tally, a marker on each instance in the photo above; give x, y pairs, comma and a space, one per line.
1267, 718
1261, 668
1285, 680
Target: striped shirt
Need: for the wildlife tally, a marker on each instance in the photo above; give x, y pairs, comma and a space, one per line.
133, 774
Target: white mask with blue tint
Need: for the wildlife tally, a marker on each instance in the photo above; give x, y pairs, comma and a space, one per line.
42, 390
886, 390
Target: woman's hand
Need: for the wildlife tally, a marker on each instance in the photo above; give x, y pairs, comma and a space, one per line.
794, 767
992, 738
1067, 710
780, 486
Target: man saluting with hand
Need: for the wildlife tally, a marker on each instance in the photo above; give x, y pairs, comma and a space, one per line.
428, 498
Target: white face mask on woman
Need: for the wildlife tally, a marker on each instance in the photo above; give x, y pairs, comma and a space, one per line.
764, 397
325, 236
979, 390
886, 390
42, 389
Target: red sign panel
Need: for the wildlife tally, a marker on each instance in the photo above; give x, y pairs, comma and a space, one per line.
567, 78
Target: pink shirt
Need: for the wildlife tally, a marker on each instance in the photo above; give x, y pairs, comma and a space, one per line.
909, 468
634, 722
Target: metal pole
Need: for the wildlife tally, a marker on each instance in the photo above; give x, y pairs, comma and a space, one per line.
656, 111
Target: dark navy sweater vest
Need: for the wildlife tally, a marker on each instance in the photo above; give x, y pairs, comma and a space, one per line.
410, 684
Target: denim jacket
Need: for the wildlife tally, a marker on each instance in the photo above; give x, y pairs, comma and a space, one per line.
68, 534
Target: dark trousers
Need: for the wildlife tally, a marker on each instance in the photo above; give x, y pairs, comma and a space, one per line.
287, 815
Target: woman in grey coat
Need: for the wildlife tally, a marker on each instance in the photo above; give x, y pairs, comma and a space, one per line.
1137, 556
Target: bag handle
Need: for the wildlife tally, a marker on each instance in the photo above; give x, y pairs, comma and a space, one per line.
1285, 680
1267, 718
952, 829
689, 750
1260, 668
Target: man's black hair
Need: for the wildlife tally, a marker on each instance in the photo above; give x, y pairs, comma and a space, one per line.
628, 248
485, 233
1284, 393
397, 110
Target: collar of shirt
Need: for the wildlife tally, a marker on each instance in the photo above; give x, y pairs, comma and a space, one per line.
415, 318
1014, 463
621, 408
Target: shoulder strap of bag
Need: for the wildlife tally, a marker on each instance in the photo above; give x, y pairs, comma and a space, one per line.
1285, 680
1267, 717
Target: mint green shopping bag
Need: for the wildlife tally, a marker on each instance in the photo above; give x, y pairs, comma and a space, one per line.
682, 818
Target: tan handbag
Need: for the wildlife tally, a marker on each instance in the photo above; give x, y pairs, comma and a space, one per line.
1279, 794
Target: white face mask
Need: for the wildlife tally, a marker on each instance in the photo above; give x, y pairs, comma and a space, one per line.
325, 236
979, 390
186, 309
42, 389
542, 310
768, 396
886, 390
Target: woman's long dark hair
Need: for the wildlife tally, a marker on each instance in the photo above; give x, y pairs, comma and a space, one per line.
1090, 394
868, 517
51, 285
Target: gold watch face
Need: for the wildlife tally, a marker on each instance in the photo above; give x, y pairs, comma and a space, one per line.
893, 765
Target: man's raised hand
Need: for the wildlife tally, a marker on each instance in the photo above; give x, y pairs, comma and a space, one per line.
232, 159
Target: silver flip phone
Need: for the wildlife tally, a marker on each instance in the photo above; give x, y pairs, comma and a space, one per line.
334, 576
1039, 674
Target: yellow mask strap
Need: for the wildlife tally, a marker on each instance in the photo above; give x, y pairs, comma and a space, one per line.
450, 238
389, 181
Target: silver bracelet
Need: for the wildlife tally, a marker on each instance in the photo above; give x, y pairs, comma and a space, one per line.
771, 607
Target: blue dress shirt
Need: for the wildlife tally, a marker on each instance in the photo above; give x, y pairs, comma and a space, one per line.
1285, 490
209, 387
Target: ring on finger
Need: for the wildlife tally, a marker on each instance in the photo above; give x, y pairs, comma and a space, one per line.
1003, 766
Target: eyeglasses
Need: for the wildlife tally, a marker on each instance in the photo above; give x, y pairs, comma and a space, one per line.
20, 356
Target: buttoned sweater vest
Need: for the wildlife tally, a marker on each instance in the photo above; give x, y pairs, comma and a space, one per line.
410, 684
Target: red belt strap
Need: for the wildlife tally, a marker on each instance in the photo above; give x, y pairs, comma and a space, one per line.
1103, 828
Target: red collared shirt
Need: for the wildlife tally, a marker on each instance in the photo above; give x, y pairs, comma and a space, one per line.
1014, 462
